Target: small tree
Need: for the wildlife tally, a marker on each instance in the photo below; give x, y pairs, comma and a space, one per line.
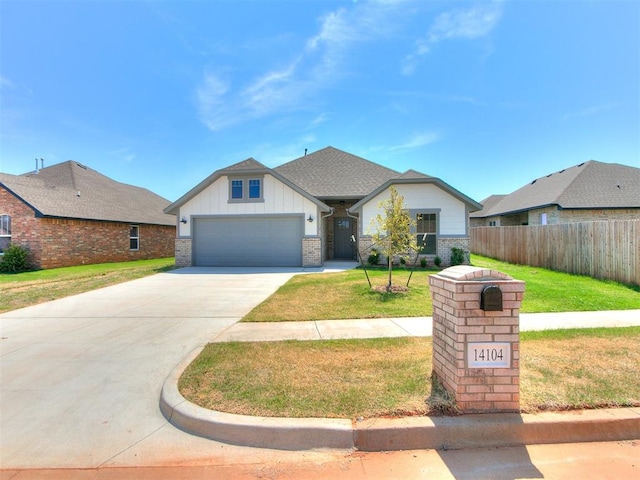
393, 229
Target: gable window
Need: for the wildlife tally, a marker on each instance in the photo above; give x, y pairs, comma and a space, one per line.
254, 188
426, 233
134, 237
5, 232
236, 190
247, 189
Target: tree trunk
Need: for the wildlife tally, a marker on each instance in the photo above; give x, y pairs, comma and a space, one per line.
390, 270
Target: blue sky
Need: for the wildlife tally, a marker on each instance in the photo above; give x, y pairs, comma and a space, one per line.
485, 95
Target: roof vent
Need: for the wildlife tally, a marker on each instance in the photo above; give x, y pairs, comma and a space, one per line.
581, 164
81, 165
561, 171
534, 181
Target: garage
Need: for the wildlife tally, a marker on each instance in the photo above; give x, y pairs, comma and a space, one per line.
248, 241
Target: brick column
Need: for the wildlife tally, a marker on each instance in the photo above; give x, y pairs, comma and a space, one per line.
476, 351
183, 252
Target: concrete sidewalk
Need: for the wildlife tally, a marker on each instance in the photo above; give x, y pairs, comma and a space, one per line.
467, 431
411, 326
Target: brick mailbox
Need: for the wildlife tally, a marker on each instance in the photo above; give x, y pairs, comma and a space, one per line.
476, 337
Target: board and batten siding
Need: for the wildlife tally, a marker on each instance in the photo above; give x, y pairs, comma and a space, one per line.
452, 211
278, 198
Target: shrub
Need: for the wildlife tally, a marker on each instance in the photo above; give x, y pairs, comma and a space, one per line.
423, 262
437, 261
374, 258
14, 259
457, 256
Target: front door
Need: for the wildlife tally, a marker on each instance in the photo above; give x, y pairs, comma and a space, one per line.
342, 245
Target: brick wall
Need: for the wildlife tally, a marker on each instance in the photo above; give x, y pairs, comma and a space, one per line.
24, 225
445, 244
183, 252
458, 320
311, 252
61, 242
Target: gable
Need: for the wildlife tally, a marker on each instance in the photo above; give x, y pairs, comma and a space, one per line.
419, 197
219, 178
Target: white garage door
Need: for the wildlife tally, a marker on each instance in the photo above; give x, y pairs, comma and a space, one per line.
246, 241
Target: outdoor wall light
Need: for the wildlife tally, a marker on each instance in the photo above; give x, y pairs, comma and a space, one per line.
184, 220
310, 219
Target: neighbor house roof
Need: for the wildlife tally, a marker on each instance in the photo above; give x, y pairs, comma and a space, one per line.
331, 174
73, 190
487, 204
589, 185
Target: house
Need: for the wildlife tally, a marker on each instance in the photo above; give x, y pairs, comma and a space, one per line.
318, 207
586, 192
68, 214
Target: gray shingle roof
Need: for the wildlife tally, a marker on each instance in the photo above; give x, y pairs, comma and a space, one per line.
591, 184
332, 173
72, 190
487, 204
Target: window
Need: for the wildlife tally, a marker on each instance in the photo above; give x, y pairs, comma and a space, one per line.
245, 189
254, 188
134, 237
5, 232
426, 233
236, 190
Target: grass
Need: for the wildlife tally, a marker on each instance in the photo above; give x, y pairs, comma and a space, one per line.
560, 370
347, 294
20, 290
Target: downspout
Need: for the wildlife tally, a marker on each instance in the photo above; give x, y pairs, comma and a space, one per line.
357, 219
322, 217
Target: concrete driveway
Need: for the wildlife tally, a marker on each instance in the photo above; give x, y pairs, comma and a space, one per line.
80, 377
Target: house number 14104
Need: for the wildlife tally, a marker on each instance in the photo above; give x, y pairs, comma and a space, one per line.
489, 355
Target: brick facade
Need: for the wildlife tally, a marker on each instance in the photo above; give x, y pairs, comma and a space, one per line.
459, 320
311, 252
445, 244
183, 252
63, 242
556, 216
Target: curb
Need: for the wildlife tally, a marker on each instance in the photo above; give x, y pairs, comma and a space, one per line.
409, 433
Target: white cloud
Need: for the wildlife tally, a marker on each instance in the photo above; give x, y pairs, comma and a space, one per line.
418, 140
321, 61
210, 101
124, 154
589, 111
468, 24
5, 82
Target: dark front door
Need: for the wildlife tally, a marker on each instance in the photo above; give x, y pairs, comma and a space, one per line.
342, 245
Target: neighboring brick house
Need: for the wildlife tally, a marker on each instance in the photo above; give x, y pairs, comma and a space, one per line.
310, 210
68, 214
587, 192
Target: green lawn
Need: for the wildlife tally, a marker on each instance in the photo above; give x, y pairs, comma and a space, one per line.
347, 294
18, 290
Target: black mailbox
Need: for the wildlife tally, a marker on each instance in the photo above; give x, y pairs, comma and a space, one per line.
491, 299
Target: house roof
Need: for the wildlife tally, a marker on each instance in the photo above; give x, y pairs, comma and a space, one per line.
327, 174
249, 166
487, 204
590, 184
73, 190
331, 174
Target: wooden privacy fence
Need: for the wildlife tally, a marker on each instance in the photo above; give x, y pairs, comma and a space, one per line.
603, 249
